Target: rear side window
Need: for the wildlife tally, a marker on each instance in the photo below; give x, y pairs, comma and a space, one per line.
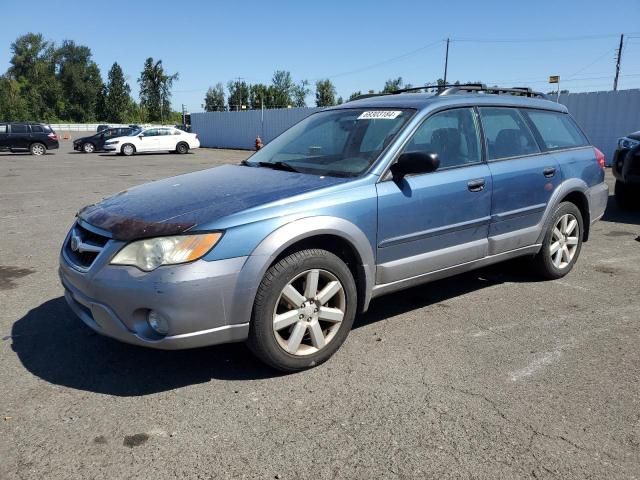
3, 129
506, 133
18, 128
37, 129
557, 130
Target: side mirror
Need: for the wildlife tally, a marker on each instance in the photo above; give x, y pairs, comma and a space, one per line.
140, 136
415, 162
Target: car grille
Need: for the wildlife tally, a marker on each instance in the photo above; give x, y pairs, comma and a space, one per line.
83, 246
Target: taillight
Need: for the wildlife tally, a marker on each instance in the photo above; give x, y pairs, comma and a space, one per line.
52, 136
600, 158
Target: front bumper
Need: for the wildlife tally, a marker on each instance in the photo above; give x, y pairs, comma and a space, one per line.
110, 148
195, 298
626, 165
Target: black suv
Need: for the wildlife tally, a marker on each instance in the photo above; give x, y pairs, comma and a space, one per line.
36, 138
96, 142
626, 169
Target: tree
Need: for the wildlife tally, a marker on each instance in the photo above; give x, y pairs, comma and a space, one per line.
12, 104
214, 99
80, 81
282, 89
155, 90
300, 92
238, 94
339, 101
118, 97
325, 93
355, 95
260, 95
392, 85
33, 76
101, 104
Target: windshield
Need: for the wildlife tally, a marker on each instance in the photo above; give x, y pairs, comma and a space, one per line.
343, 142
135, 131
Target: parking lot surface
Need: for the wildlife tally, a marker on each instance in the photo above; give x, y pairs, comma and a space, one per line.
492, 374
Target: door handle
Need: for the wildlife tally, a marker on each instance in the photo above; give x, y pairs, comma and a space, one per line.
476, 185
549, 172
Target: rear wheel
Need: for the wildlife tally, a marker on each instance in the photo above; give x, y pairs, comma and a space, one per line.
562, 242
38, 149
303, 311
88, 147
128, 149
182, 148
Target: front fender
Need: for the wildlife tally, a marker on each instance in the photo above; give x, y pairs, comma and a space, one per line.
278, 241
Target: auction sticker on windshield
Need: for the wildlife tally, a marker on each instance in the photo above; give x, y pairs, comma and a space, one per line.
379, 115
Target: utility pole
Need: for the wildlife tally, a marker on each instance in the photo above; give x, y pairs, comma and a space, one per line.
618, 58
446, 62
184, 115
238, 93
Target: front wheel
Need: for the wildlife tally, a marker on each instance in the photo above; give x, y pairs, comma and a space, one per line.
38, 149
562, 242
88, 147
127, 150
303, 311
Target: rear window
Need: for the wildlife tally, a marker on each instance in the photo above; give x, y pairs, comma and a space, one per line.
506, 133
18, 128
557, 130
37, 129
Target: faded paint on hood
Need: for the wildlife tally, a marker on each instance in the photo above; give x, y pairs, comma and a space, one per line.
178, 204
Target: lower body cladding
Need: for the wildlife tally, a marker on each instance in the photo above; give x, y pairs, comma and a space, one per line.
194, 302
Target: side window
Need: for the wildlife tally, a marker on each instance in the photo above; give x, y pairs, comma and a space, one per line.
153, 132
452, 134
3, 129
164, 131
557, 130
506, 133
107, 133
18, 128
36, 129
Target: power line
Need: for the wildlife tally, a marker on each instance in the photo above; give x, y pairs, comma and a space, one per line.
537, 40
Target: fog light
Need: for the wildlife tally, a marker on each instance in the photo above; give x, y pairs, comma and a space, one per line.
157, 322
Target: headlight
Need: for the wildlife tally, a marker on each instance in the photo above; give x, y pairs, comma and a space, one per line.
149, 254
625, 142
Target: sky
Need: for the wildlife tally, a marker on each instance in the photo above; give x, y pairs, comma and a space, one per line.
357, 44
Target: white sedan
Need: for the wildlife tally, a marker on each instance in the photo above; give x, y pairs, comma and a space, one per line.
154, 139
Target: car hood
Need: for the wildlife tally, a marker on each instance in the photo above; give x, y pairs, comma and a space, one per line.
178, 204
634, 135
84, 139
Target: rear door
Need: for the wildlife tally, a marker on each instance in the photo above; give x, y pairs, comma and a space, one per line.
149, 141
524, 179
436, 220
19, 136
166, 139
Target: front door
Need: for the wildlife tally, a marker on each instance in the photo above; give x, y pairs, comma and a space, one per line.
524, 179
436, 220
19, 136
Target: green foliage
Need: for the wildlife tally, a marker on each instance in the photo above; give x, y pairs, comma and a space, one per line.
214, 99
392, 85
325, 93
354, 95
282, 89
260, 94
118, 96
299, 93
155, 90
238, 95
339, 101
80, 81
12, 104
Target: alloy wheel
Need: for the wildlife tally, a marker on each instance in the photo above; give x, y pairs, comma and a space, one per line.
88, 147
309, 312
564, 240
38, 149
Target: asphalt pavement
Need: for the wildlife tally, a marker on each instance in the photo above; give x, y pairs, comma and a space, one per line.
491, 374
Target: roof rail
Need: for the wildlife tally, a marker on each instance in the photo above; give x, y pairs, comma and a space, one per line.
450, 89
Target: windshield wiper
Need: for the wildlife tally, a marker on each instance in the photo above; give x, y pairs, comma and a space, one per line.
279, 166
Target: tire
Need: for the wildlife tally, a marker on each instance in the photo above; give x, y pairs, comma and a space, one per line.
624, 195
37, 149
88, 147
182, 148
309, 333
127, 150
562, 242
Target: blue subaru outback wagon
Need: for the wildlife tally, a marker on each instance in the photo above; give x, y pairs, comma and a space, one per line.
353, 202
